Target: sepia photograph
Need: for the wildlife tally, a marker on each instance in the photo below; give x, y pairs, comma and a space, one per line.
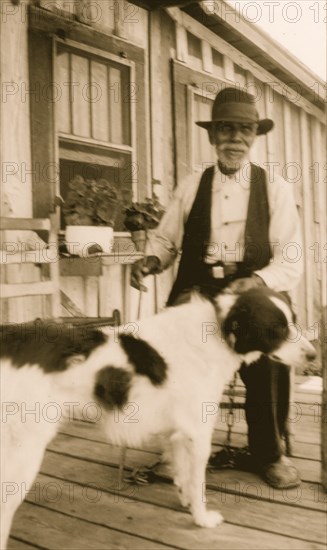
163, 352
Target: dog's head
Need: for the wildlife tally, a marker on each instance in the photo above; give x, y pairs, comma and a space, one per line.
262, 320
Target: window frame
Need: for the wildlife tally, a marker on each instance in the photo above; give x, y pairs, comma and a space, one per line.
196, 167
104, 148
95, 53
46, 31
186, 82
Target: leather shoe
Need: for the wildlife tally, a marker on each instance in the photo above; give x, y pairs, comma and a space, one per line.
281, 474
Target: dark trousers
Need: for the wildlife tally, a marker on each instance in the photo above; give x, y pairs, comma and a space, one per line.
267, 385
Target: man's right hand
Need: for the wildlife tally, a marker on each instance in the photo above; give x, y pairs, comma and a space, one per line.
149, 265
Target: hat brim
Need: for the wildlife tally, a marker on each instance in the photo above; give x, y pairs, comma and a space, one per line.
264, 125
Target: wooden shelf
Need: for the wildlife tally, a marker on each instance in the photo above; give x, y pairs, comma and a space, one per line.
74, 266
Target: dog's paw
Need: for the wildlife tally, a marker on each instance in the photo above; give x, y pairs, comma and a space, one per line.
209, 519
183, 498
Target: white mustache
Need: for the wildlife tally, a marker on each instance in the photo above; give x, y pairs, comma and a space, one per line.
231, 146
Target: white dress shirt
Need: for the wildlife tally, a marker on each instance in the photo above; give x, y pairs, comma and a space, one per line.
230, 197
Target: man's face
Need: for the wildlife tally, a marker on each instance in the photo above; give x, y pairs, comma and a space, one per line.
232, 141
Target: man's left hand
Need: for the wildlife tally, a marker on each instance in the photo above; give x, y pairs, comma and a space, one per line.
246, 283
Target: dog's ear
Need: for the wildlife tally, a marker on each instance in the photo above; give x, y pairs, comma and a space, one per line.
145, 359
237, 329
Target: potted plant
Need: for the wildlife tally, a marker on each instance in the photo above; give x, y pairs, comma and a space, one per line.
90, 210
141, 217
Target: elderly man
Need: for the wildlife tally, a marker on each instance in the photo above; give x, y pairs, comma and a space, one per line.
237, 228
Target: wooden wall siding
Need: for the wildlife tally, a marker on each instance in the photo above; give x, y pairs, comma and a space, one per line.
322, 176
78, 290
185, 22
15, 152
217, 63
318, 249
110, 16
267, 149
307, 212
277, 114
202, 151
207, 57
113, 292
294, 149
99, 296
293, 140
256, 44
257, 88
195, 52
21, 310
167, 152
181, 42
281, 159
162, 43
166, 101
292, 172
45, 178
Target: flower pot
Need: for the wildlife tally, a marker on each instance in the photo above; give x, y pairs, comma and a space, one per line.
83, 240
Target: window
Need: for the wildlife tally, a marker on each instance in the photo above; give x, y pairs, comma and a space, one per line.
94, 117
193, 99
88, 113
194, 51
239, 75
217, 63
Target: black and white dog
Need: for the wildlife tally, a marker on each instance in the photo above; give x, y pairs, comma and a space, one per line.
179, 361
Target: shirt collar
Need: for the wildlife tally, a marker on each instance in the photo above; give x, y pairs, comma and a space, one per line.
241, 177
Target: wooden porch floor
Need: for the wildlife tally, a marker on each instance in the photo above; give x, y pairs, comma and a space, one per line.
75, 503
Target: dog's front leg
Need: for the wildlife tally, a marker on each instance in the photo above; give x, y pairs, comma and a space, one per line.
181, 466
200, 451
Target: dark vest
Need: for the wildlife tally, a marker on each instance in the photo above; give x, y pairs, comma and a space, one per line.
257, 251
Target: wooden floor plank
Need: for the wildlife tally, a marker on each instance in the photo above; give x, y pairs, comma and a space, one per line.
53, 530
89, 432
76, 503
310, 470
107, 454
304, 432
15, 544
159, 524
231, 479
100, 452
311, 451
237, 508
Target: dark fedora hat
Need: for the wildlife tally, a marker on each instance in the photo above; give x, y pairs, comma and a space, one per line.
235, 105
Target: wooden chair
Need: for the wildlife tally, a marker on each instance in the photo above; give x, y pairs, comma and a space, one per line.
48, 284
